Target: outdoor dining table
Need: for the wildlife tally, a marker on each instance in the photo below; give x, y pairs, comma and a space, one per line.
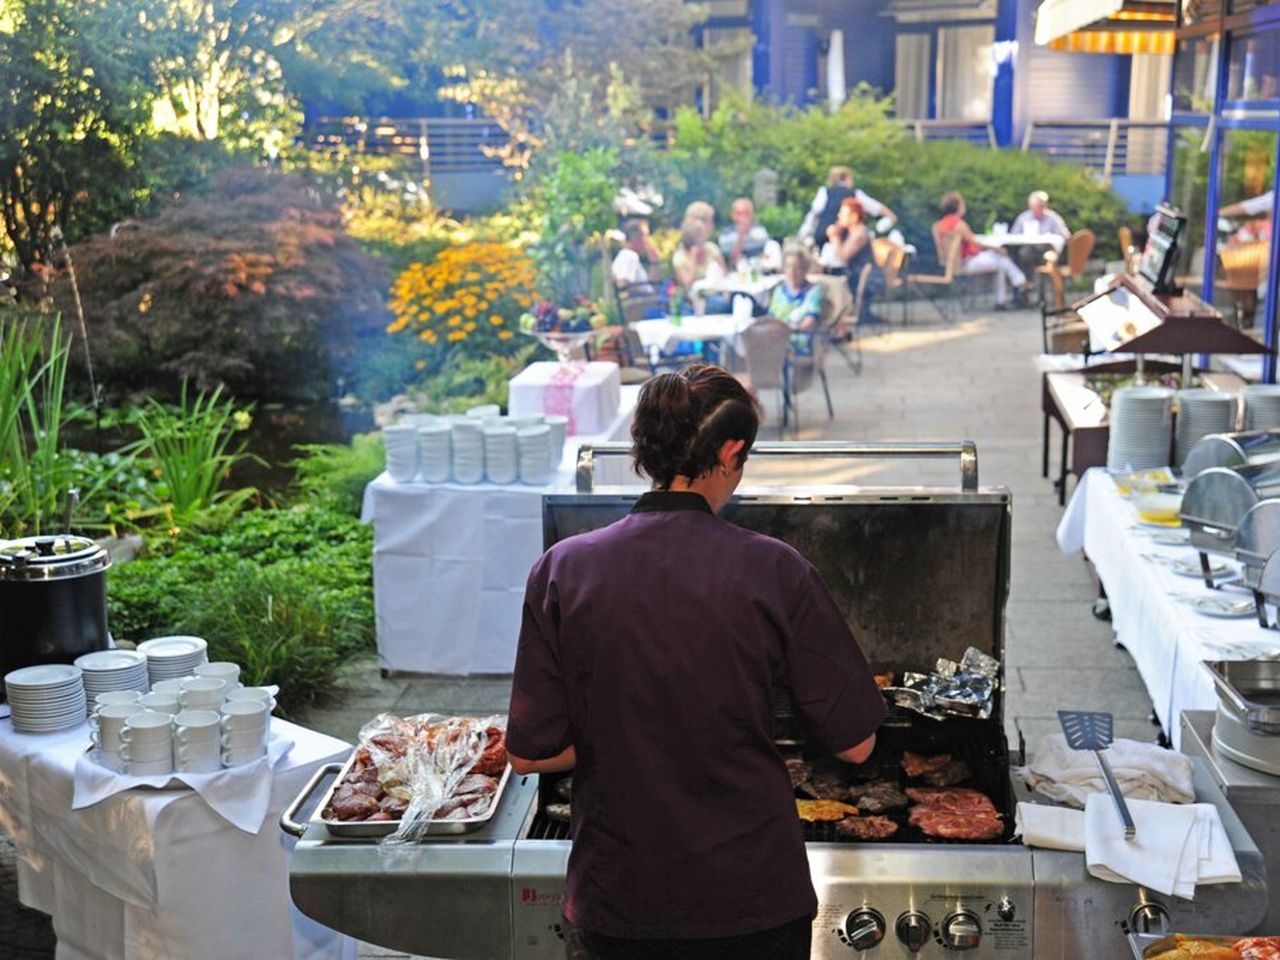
152, 874
450, 561
1007, 240
1150, 613
665, 334
758, 286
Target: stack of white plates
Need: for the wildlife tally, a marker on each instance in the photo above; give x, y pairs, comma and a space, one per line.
1141, 429
1262, 406
169, 658
500, 464
46, 698
435, 452
419, 420
485, 410
559, 430
401, 444
106, 671
1200, 413
468, 450
535, 454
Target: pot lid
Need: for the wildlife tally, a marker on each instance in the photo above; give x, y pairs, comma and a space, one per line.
51, 557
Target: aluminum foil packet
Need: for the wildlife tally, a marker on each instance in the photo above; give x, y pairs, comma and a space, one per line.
953, 689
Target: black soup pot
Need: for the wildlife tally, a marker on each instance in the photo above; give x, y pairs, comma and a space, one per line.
53, 600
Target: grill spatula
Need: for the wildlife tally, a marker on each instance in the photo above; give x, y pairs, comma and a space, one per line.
1086, 730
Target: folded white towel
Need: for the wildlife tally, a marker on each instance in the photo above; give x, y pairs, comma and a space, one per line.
1056, 828
1176, 847
1143, 770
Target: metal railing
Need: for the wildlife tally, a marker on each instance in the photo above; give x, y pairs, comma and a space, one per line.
971, 131
1107, 147
438, 144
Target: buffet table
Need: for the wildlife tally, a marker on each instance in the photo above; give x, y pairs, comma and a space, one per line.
1166, 636
156, 874
450, 562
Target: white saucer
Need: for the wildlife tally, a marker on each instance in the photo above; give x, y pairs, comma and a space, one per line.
1226, 609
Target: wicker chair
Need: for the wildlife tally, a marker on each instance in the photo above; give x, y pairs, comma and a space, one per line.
765, 346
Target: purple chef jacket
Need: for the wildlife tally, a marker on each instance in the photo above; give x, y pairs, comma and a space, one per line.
654, 646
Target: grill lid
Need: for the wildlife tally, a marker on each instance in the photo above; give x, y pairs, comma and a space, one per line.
51, 558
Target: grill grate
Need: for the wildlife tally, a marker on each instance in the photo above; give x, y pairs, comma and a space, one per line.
980, 743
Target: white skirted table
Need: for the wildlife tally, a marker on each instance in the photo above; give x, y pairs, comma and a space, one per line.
450, 562
1166, 636
157, 874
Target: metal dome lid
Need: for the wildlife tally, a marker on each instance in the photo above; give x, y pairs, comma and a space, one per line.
51, 557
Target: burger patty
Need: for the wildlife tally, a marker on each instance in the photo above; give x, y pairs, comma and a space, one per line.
878, 796
866, 828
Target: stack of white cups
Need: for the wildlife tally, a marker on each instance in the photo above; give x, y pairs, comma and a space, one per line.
197, 741
435, 451
244, 731
400, 442
559, 427
202, 693
110, 712
500, 463
146, 743
535, 455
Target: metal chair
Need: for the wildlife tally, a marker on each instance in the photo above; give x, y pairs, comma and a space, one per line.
766, 345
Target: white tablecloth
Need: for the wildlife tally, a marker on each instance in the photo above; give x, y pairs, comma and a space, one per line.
663, 334
1023, 240
450, 563
759, 289
156, 874
1166, 637
589, 394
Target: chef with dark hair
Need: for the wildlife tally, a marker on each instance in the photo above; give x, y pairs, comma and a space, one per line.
649, 660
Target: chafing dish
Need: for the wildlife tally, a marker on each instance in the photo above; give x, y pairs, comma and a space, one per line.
1247, 728
1255, 542
1231, 450
919, 573
1216, 502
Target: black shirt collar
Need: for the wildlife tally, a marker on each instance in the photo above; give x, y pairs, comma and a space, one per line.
657, 501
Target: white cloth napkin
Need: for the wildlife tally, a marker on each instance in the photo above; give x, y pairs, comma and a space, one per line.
1143, 770
1176, 846
240, 795
1055, 828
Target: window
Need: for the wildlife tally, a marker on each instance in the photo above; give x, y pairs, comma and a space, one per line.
1190, 184
1243, 238
1253, 71
966, 71
1194, 74
911, 76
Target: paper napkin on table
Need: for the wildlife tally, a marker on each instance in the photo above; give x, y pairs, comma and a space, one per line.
1177, 846
240, 795
1055, 828
1143, 770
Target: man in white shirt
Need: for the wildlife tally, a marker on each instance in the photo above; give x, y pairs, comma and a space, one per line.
826, 204
744, 239
629, 266
1038, 219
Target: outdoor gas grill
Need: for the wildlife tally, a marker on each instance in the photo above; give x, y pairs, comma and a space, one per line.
920, 573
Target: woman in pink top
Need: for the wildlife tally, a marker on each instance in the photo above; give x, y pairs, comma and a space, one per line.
976, 257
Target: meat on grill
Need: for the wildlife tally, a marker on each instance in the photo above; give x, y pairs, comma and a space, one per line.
954, 813
824, 788
866, 828
815, 811
937, 822
948, 775
797, 770
878, 796
564, 789
559, 812
952, 799
917, 765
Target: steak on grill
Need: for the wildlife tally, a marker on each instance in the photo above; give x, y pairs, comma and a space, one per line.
916, 765
948, 775
953, 800
824, 788
937, 822
866, 828
878, 796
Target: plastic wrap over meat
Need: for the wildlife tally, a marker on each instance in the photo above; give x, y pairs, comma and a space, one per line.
431, 767
953, 689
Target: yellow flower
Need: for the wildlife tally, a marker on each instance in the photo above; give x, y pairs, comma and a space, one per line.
455, 321
456, 336
420, 365
496, 320
505, 334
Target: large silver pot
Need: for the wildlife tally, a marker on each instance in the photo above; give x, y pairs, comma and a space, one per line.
53, 600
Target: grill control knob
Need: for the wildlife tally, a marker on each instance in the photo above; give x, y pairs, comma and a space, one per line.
961, 931
913, 930
864, 928
1005, 909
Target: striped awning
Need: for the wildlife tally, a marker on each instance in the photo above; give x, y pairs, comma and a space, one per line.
1107, 26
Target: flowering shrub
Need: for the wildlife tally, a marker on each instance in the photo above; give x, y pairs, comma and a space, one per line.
466, 301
